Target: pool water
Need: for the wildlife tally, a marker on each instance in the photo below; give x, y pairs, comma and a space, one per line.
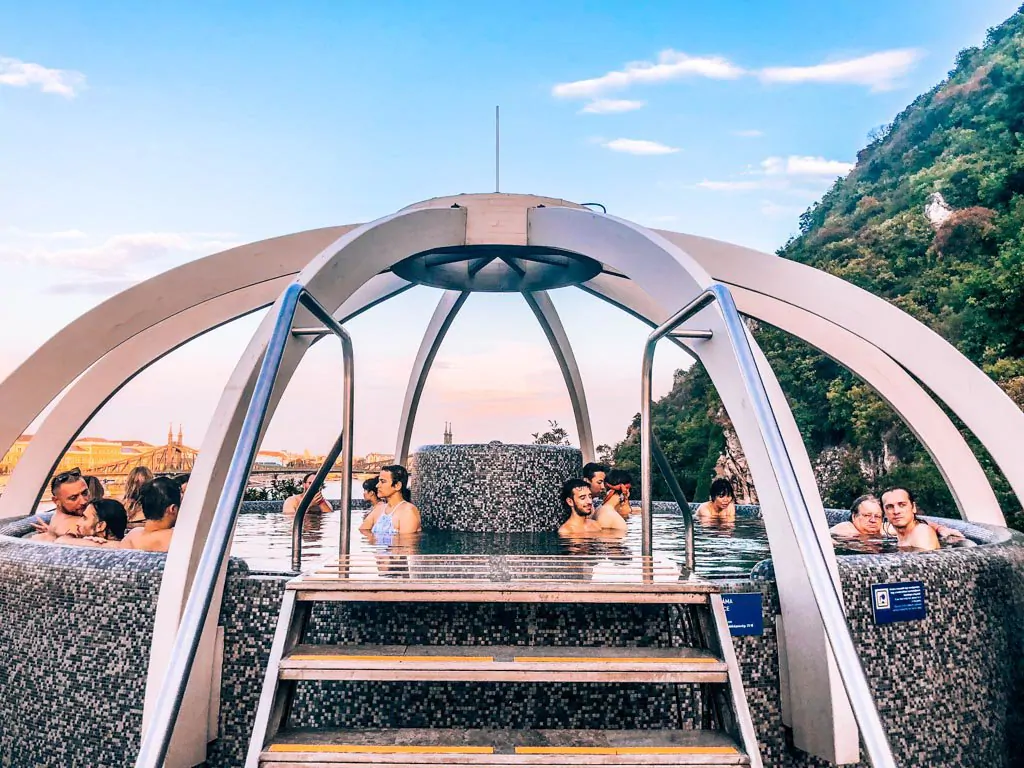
263, 540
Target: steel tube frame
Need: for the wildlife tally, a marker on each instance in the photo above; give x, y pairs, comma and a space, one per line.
825, 590
157, 735
342, 446
680, 498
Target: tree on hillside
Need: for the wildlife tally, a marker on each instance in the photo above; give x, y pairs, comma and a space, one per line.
555, 435
962, 275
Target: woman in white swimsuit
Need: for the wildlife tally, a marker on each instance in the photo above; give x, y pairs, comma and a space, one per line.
396, 514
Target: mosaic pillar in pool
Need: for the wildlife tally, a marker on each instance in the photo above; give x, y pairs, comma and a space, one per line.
493, 487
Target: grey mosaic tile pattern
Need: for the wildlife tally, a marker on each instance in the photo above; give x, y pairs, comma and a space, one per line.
75, 634
950, 688
493, 487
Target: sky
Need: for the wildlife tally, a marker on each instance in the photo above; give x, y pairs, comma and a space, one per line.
136, 137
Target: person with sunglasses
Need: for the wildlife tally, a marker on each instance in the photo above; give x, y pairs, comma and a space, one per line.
70, 494
609, 515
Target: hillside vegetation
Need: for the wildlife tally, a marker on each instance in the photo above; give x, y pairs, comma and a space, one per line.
958, 150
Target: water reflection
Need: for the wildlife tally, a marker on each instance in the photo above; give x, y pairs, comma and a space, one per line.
723, 551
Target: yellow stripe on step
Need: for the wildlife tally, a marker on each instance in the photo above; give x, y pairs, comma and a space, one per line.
315, 657
614, 660
394, 749
626, 751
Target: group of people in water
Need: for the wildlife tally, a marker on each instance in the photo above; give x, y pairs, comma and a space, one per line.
391, 509
599, 501
143, 519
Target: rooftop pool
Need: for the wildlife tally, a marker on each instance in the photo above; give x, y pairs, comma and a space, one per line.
728, 551
263, 540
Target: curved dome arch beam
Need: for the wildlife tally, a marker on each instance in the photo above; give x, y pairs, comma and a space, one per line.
333, 277
822, 718
35, 383
952, 455
956, 462
546, 314
113, 371
444, 314
977, 400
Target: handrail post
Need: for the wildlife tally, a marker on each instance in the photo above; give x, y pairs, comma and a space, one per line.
680, 498
157, 736
348, 420
646, 428
825, 591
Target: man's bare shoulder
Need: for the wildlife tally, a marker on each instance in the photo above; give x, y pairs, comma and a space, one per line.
608, 517
845, 528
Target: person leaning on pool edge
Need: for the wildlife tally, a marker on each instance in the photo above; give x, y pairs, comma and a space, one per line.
865, 519
70, 497
911, 532
317, 504
160, 499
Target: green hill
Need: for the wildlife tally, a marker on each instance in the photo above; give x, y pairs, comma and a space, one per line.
958, 150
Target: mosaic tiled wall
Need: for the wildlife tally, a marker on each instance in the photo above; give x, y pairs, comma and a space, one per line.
77, 625
492, 487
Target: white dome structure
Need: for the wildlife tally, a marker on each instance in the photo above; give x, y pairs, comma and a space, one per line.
530, 244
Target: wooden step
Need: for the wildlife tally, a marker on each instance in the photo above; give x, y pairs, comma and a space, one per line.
502, 579
405, 748
491, 663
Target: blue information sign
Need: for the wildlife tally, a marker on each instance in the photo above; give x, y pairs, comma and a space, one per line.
743, 613
902, 601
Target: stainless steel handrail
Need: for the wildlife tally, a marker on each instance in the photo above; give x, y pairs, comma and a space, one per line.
157, 736
342, 446
680, 499
825, 591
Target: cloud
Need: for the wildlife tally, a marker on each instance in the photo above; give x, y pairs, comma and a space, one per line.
639, 147
805, 165
23, 74
750, 133
879, 71
68, 234
119, 254
611, 106
671, 65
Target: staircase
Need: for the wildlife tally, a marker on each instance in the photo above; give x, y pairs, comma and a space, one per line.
683, 701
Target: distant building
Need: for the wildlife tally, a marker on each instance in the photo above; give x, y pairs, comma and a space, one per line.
447, 433
276, 458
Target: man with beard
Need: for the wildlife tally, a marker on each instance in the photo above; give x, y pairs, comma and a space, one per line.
70, 498
575, 495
